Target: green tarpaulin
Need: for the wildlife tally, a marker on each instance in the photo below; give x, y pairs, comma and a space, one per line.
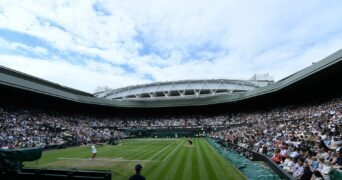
11, 159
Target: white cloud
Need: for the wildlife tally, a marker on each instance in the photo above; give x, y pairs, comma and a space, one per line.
85, 77
193, 39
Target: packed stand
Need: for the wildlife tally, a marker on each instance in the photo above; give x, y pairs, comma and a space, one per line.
28, 128
305, 141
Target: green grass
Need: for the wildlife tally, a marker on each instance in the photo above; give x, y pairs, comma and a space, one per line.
161, 159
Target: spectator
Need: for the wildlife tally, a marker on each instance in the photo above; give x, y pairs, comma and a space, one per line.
337, 161
298, 169
137, 175
277, 157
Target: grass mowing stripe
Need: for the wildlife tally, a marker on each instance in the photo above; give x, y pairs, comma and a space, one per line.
188, 163
195, 165
151, 149
110, 159
212, 159
179, 161
176, 167
131, 154
162, 150
174, 151
120, 153
200, 161
161, 156
143, 155
165, 167
156, 173
124, 153
166, 159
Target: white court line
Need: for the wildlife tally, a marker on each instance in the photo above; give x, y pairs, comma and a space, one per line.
108, 159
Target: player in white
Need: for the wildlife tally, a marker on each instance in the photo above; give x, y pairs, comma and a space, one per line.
93, 151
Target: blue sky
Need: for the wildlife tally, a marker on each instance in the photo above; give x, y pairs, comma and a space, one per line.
86, 44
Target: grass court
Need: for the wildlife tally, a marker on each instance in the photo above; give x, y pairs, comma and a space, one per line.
160, 158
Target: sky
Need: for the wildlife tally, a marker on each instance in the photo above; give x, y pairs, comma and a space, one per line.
88, 44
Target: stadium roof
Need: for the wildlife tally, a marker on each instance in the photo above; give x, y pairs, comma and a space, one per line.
180, 89
26, 82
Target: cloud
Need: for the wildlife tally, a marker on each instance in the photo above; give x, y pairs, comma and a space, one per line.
121, 43
86, 77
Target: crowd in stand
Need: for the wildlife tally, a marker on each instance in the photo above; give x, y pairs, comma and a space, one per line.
303, 140
27, 128
30, 128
